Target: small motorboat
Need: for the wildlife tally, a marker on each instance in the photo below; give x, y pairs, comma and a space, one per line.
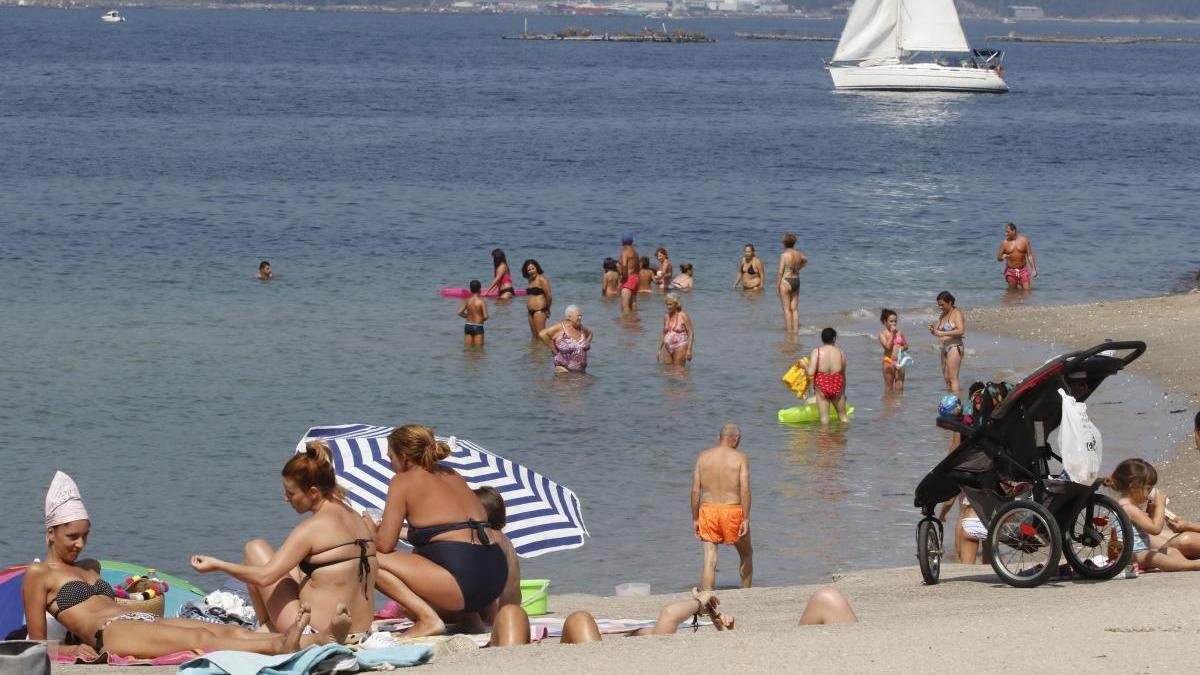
112, 16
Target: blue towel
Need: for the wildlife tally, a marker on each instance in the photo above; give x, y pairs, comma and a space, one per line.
407, 655
246, 663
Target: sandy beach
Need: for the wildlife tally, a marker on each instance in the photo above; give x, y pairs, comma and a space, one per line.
904, 624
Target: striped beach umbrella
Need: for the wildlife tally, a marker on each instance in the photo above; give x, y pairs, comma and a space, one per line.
542, 516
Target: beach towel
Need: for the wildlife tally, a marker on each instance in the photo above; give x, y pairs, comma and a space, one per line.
174, 659
326, 657
390, 632
554, 625
542, 516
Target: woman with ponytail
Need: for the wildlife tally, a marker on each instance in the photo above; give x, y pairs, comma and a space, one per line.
456, 566
327, 564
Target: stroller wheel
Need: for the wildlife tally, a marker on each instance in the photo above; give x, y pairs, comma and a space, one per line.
929, 551
1095, 543
1025, 543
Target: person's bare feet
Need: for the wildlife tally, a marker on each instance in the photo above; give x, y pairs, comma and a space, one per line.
289, 641
339, 626
424, 626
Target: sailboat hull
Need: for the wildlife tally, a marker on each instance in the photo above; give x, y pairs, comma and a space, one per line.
916, 77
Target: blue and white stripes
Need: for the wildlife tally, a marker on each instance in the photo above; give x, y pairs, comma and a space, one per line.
542, 515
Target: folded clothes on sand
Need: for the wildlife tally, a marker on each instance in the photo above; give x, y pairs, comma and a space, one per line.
224, 607
315, 659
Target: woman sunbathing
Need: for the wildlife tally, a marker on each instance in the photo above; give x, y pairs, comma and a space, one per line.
327, 562
456, 565
72, 591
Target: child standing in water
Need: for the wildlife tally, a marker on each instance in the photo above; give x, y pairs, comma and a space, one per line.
893, 343
474, 310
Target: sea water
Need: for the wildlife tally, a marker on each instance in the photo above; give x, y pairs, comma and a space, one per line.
148, 166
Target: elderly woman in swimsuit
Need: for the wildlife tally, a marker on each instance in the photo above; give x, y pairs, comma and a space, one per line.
502, 278
827, 368
750, 270
455, 566
787, 280
537, 296
569, 340
679, 336
950, 328
327, 562
72, 591
892, 341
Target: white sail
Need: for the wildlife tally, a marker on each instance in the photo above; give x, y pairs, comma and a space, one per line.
930, 26
871, 32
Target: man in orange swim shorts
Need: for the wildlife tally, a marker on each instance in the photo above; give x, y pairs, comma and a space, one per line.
721, 504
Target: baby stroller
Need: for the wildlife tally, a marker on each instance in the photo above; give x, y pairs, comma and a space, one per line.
1002, 465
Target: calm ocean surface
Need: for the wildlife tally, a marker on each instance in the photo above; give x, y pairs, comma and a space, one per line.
147, 167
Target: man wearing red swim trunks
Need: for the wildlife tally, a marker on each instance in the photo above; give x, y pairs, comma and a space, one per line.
721, 505
628, 268
1017, 254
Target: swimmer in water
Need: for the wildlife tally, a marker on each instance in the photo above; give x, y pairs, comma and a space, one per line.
663, 276
678, 336
750, 270
474, 310
537, 296
1020, 267
646, 277
569, 340
628, 267
502, 278
950, 328
892, 341
684, 281
264, 271
787, 281
610, 283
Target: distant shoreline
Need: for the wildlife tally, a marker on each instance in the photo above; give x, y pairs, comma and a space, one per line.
448, 11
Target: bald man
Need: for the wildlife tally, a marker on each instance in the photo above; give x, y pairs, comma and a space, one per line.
721, 504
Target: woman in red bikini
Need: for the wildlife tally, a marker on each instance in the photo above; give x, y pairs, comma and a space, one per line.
502, 279
827, 368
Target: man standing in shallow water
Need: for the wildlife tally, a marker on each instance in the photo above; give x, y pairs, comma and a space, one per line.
628, 267
1017, 253
721, 504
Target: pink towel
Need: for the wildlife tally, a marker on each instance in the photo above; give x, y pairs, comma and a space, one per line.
115, 660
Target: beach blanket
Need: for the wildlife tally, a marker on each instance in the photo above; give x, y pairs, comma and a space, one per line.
391, 632
321, 657
554, 625
542, 516
118, 660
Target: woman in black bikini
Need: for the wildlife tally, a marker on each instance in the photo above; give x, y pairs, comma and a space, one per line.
787, 280
537, 296
455, 566
327, 562
71, 590
750, 270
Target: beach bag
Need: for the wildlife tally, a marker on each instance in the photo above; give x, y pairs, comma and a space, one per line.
1079, 441
24, 657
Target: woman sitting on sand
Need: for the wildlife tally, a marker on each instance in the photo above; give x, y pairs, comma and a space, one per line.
327, 562
455, 565
72, 591
1134, 480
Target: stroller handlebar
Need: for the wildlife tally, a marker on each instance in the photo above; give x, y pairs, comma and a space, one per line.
1137, 346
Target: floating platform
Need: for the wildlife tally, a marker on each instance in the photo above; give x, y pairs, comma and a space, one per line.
784, 36
1094, 39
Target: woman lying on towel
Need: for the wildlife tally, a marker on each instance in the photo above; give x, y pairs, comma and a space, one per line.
456, 565
327, 562
72, 591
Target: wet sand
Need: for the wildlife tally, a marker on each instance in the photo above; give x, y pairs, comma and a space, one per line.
1168, 325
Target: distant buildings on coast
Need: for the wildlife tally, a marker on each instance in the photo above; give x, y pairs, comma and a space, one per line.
663, 8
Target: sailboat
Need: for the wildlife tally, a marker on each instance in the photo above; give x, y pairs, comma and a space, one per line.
911, 45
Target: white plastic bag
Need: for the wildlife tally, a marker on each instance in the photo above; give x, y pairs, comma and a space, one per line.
1079, 441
